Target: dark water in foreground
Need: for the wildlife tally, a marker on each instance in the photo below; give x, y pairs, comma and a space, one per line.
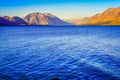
66, 53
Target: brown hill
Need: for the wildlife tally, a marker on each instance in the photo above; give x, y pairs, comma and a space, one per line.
109, 17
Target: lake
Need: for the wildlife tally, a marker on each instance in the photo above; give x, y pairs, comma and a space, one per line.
59, 53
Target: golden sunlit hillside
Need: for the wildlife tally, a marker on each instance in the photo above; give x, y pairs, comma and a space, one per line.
109, 17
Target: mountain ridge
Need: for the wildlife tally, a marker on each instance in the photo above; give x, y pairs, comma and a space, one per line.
44, 19
110, 16
33, 19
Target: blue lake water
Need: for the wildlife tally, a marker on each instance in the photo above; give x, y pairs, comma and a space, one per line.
64, 53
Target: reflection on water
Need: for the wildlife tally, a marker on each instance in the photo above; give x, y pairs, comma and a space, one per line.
65, 53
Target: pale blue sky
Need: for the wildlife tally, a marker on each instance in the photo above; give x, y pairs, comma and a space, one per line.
65, 9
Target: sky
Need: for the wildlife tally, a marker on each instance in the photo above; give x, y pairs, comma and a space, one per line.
65, 9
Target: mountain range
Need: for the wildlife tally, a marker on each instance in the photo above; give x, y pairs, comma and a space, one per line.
110, 16
33, 19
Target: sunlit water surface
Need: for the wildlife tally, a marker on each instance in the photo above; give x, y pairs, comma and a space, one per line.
65, 53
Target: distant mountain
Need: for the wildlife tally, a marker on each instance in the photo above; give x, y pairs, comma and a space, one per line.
44, 19
8, 21
77, 21
5, 22
17, 20
109, 17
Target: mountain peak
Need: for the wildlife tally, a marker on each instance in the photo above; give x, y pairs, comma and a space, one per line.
44, 19
49, 14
